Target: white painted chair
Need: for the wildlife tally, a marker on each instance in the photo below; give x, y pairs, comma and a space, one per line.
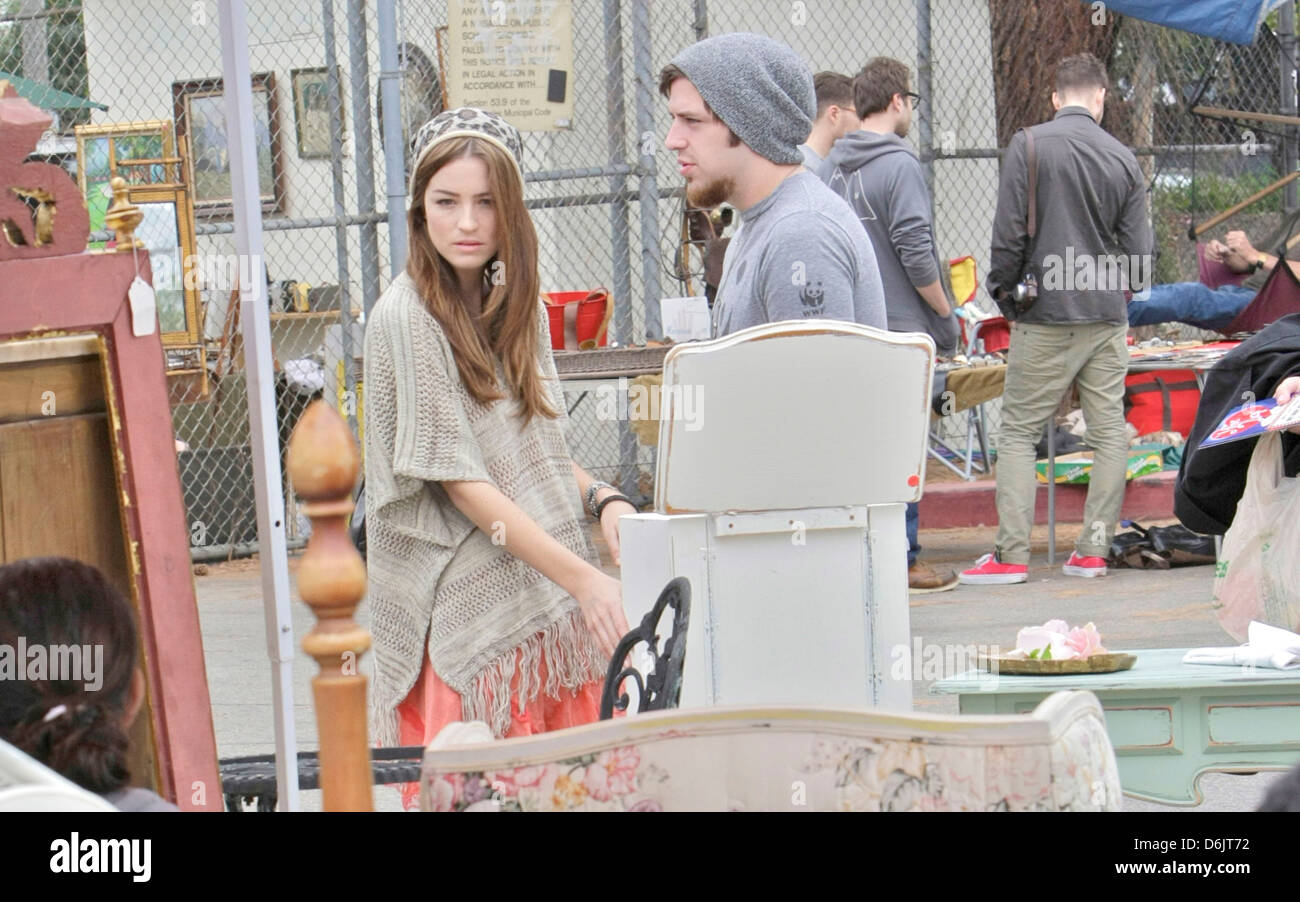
28, 785
1056, 758
786, 453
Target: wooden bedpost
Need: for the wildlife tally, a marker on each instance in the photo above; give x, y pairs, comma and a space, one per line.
323, 465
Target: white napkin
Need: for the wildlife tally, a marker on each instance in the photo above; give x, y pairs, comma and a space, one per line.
1266, 646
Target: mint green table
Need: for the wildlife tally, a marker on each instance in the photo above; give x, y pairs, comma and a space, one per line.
1169, 722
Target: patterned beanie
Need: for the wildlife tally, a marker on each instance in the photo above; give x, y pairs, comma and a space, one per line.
760, 88
466, 122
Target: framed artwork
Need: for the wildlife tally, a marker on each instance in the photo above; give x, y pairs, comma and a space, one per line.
200, 111
144, 154
311, 112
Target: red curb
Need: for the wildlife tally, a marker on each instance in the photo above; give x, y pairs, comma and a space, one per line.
959, 504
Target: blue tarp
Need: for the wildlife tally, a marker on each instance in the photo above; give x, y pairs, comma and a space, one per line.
1236, 21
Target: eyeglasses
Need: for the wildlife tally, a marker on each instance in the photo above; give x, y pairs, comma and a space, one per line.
913, 97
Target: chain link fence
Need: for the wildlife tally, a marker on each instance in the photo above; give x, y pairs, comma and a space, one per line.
136, 89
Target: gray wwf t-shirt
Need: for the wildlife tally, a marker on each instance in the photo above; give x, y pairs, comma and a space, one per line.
799, 253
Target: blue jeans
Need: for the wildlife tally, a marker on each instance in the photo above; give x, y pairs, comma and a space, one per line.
913, 536
1191, 303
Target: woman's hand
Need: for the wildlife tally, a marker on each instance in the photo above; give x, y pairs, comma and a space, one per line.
609, 527
1285, 392
601, 602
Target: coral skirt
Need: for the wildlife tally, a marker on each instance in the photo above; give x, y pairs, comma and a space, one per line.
432, 704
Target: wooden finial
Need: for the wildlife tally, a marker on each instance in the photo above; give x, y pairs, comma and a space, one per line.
323, 466
123, 216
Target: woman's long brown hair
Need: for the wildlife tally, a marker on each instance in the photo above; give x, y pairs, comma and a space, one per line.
509, 319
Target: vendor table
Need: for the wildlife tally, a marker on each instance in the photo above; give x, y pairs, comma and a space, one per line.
1169, 722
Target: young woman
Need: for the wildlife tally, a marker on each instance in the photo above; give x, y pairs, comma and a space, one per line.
70, 726
486, 598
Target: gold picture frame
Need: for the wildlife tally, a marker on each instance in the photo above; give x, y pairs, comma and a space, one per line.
145, 155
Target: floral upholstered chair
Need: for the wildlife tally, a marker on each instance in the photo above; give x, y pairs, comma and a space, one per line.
777, 759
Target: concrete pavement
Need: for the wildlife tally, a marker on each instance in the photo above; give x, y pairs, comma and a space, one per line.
1132, 609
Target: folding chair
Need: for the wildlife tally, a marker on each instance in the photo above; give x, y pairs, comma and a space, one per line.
982, 335
1279, 296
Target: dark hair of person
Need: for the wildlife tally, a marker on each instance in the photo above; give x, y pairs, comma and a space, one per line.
56, 601
880, 80
1283, 793
833, 89
669, 76
1081, 72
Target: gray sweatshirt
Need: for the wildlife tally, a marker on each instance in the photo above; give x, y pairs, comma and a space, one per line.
881, 178
798, 253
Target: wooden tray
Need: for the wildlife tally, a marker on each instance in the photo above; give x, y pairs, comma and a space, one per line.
1111, 662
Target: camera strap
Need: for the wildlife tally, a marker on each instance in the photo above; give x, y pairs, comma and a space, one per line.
1031, 159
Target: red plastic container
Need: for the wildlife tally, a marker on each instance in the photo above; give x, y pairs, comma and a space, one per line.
591, 313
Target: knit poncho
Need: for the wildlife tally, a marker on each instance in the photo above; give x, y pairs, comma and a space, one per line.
435, 579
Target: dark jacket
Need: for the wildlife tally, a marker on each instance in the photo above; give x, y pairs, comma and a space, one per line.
1091, 205
881, 178
1211, 480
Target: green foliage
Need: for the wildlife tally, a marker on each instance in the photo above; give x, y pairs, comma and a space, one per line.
1217, 192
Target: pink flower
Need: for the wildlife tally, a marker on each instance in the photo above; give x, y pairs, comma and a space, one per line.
613, 774
1063, 643
443, 792
1085, 641
509, 782
1037, 638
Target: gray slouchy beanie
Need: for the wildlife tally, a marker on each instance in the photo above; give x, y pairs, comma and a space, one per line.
759, 87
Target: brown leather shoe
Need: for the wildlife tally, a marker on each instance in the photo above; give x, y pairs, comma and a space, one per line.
922, 579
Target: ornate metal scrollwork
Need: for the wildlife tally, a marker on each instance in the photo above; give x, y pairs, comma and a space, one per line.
662, 688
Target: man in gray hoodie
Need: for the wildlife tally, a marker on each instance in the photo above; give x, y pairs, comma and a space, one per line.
878, 173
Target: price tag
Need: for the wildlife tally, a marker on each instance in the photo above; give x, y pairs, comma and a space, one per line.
144, 308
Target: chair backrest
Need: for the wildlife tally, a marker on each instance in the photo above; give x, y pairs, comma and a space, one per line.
28, 785
795, 414
791, 759
1279, 297
964, 278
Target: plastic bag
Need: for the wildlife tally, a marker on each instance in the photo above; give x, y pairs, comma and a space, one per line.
1258, 574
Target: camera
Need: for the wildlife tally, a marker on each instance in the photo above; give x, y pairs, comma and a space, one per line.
1014, 302
1025, 293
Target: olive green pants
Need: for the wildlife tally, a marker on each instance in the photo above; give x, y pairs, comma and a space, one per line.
1042, 362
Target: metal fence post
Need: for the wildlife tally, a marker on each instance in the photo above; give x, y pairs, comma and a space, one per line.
925, 87
390, 86
645, 129
618, 208
359, 75
1287, 87
264, 432
340, 209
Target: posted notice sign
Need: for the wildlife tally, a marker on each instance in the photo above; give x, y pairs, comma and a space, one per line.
513, 58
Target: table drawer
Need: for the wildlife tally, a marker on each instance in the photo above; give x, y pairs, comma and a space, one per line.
1235, 723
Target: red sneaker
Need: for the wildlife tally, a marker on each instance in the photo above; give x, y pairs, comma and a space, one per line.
1087, 567
989, 571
